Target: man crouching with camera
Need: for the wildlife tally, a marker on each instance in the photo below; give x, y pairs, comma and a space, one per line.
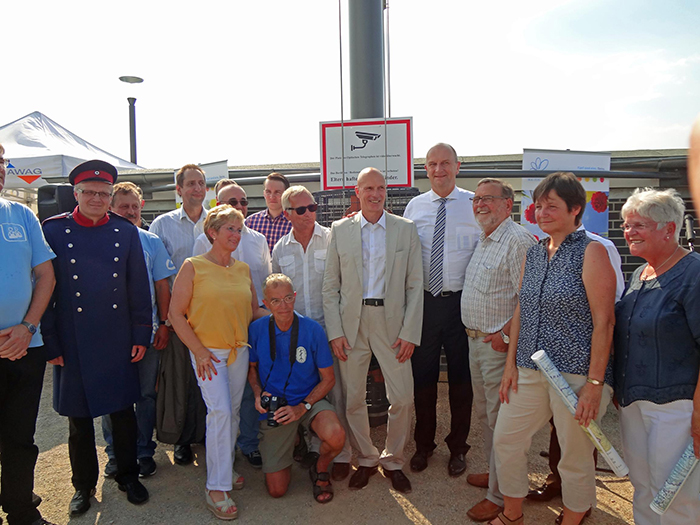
290, 389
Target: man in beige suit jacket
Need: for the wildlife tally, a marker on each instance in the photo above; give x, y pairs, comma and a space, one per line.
373, 303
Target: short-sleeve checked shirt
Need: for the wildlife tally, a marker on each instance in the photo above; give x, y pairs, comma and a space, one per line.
492, 279
272, 228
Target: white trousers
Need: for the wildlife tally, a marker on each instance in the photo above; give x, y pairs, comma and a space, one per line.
530, 408
653, 439
486, 366
222, 395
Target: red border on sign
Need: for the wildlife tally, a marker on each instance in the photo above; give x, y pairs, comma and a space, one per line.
406, 122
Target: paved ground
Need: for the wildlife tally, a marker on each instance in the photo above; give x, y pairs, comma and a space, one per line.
177, 493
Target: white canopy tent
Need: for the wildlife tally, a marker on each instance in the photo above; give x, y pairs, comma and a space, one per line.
41, 149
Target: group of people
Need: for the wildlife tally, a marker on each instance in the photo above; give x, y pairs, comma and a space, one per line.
260, 330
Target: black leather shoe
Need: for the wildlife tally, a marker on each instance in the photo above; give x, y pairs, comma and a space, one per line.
40, 521
136, 493
457, 465
36, 500
560, 518
111, 468
361, 477
419, 461
80, 503
398, 480
183, 454
340, 471
546, 492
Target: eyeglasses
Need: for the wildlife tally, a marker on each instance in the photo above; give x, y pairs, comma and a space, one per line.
301, 210
486, 199
234, 202
90, 194
637, 226
5, 162
288, 299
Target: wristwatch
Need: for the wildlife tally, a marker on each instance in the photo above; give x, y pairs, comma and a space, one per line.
505, 338
30, 327
306, 404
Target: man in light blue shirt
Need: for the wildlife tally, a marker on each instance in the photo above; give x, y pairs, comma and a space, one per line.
127, 201
27, 281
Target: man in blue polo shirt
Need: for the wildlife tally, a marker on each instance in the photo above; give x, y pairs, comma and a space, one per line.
27, 281
290, 389
127, 201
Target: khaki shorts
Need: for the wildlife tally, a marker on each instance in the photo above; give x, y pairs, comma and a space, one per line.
277, 443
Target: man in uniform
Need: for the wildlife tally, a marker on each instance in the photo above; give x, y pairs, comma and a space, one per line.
24, 256
489, 297
373, 304
96, 328
448, 234
127, 201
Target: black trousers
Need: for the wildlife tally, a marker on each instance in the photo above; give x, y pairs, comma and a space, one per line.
83, 453
442, 328
20, 392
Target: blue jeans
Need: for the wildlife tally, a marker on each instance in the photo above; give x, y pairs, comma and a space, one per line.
250, 424
145, 408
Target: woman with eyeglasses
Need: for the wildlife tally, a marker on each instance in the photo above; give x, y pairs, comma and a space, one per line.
213, 302
566, 308
657, 355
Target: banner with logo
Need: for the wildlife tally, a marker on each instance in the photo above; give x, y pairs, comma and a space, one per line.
349, 147
595, 216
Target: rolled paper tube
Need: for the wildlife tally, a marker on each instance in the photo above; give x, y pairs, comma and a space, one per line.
570, 399
680, 473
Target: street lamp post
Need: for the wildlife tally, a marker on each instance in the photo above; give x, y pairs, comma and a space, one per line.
132, 115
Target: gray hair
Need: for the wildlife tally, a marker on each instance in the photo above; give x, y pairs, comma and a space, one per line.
661, 206
507, 190
293, 191
274, 280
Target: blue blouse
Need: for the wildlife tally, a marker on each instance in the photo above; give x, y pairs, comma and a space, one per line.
657, 335
554, 312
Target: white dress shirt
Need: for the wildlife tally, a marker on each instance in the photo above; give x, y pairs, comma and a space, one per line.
305, 269
252, 250
461, 234
615, 260
373, 257
178, 232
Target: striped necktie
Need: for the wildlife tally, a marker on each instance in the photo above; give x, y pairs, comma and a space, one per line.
436, 251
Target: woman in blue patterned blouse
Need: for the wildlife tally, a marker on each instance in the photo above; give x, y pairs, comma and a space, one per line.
657, 355
566, 308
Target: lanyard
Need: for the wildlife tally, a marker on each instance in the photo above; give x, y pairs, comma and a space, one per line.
292, 349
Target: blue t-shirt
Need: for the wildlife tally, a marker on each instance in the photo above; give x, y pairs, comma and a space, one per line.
312, 353
22, 247
159, 266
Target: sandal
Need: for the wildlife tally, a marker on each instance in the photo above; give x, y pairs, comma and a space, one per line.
220, 508
560, 518
501, 516
238, 481
320, 489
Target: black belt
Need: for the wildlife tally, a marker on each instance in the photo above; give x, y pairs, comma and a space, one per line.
444, 294
373, 302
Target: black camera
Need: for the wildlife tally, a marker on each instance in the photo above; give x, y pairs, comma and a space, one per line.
271, 404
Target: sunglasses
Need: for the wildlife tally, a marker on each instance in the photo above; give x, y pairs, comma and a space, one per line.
234, 202
301, 210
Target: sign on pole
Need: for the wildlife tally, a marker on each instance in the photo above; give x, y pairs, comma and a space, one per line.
595, 216
349, 147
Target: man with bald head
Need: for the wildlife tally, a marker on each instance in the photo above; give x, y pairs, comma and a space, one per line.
373, 304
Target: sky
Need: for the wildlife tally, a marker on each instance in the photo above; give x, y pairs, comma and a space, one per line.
250, 81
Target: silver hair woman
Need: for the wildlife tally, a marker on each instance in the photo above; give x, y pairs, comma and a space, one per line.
657, 355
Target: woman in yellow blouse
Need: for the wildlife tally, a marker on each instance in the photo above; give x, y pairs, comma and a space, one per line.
213, 302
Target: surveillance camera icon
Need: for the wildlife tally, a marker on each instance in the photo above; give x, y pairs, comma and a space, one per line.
365, 137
